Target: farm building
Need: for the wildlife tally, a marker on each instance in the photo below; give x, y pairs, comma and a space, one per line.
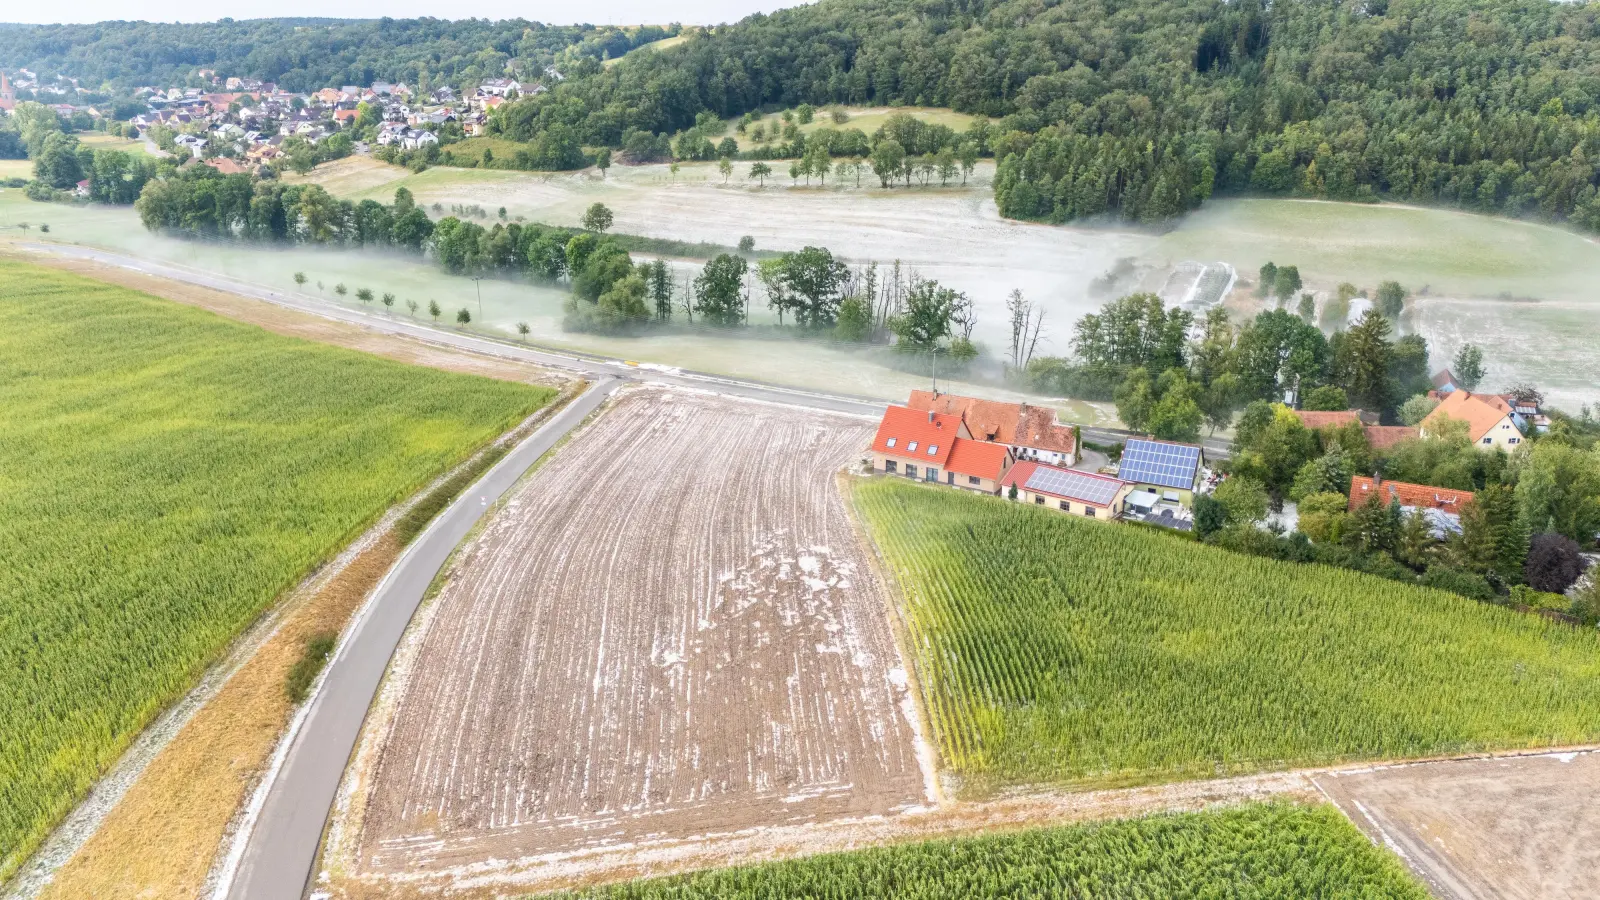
932, 446
1491, 420
1080, 493
1379, 437
1444, 382
1162, 473
1442, 506
1031, 432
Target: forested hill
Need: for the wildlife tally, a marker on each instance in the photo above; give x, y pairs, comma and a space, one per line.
307, 54
1143, 108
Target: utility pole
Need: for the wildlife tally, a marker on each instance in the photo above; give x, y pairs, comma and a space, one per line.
475, 283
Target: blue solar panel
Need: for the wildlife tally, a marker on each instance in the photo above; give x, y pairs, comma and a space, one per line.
1152, 462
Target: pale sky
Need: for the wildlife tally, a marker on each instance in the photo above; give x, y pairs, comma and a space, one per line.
596, 12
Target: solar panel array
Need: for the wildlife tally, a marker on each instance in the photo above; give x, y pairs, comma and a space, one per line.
1152, 462
1063, 483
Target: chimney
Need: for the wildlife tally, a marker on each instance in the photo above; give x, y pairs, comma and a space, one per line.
930, 417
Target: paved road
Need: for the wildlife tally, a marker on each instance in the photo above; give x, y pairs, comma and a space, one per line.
282, 847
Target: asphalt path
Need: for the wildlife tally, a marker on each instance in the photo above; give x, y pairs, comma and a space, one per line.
588, 365
282, 847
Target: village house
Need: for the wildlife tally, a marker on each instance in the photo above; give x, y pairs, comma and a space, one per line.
8, 95
1379, 437
937, 447
1031, 432
1441, 506
1068, 490
1490, 419
1165, 476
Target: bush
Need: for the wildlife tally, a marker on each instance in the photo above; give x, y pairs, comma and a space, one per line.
1054, 375
1457, 581
309, 665
1328, 398
1554, 563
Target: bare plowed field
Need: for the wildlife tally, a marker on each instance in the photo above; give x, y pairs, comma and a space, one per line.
670, 630
1514, 828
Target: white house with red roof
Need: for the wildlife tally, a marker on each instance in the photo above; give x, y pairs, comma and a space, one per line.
937, 447
1086, 494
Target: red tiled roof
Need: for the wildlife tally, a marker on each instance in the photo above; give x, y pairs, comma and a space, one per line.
1481, 412
980, 458
1383, 437
913, 433
1314, 419
1410, 495
1018, 424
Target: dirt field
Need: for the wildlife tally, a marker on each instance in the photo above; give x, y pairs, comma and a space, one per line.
669, 630
1523, 827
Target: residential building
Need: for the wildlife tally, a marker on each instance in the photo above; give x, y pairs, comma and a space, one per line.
227, 166
8, 95
1031, 432
1162, 473
1379, 437
1444, 382
930, 446
1442, 506
81, 189
1068, 490
1490, 420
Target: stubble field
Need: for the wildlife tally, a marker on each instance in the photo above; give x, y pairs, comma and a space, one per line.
670, 630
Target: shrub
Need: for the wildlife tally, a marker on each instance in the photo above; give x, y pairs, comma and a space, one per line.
1554, 563
1457, 581
309, 665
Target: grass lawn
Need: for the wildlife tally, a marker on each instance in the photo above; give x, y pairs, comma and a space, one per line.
1055, 649
1259, 851
651, 47
866, 118
102, 141
16, 168
164, 475
472, 148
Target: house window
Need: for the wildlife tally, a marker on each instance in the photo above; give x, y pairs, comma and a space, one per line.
950, 478
1038, 499
1088, 511
1065, 506
890, 465
911, 471
933, 449
973, 479
911, 447
1514, 441
890, 442
1488, 440
930, 474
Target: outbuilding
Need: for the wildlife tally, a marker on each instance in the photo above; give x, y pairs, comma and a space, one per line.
1068, 490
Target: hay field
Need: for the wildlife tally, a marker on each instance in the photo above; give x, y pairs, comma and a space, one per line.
164, 475
670, 630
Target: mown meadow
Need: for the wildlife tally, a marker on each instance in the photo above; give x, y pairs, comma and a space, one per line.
1259, 851
164, 475
1054, 649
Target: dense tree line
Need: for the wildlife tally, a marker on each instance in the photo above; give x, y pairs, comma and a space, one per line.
1141, 109
308, 54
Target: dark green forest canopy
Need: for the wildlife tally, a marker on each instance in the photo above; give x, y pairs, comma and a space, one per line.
307, 54
1144, 108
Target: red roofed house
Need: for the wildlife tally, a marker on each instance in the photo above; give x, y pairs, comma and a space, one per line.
1491, 422
1383, 437
8, 97
1379, 437
1069, 490
345, 116
934, 446
1031, 432
1442, 506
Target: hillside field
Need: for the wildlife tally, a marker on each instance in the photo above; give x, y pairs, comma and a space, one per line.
1053, 649
1258, 851
164, 474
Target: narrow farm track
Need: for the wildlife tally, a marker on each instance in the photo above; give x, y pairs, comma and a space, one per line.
670, 630
281, 846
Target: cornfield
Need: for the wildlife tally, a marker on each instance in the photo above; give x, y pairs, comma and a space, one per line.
164, 475
1258, 851
1052, 649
